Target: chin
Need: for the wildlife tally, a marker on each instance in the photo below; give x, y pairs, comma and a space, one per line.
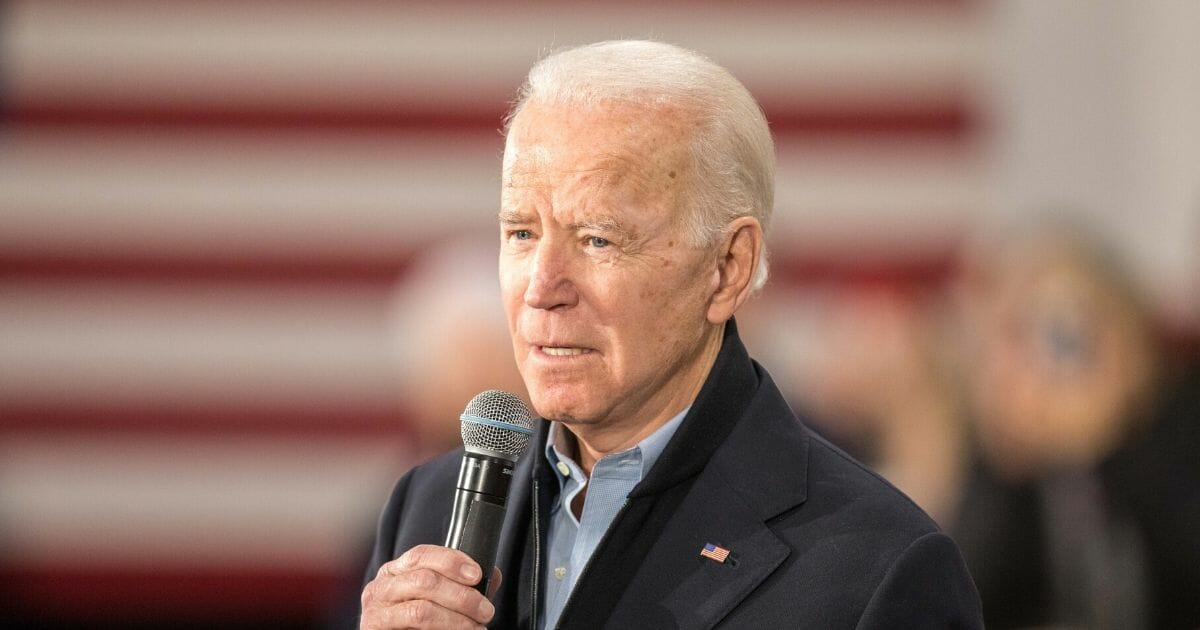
567, 396
557, 407
554, 412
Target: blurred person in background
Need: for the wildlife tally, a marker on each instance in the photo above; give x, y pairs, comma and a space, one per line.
870, 365
1032, 412
1084, 510
451, 342
451, 339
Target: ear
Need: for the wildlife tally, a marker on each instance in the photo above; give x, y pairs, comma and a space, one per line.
736, 262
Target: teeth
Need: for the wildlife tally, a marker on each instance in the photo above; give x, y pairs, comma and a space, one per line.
563, 352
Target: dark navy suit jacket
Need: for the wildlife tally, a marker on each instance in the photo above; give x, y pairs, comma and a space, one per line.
815, 539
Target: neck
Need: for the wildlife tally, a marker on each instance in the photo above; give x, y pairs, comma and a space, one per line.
594, 442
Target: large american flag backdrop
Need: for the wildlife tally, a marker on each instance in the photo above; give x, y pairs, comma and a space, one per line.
204, 207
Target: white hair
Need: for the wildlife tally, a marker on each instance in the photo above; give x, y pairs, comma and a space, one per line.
732, 150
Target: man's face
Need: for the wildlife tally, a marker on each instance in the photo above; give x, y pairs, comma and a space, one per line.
605, 297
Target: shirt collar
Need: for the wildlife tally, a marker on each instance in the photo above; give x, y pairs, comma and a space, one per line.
649, 449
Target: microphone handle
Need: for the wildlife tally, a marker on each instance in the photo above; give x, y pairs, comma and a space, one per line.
479, 504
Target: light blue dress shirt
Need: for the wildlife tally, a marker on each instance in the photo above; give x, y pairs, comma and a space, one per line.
571, 540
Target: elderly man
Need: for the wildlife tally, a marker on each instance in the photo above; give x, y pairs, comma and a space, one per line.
637, 184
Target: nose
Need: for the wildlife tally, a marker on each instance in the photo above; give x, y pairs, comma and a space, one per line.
550, 283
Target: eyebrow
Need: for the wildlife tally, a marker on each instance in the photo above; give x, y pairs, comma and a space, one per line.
604, 224
511, 217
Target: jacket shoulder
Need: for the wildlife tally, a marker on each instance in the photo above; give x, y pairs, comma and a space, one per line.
840, 482
865, 543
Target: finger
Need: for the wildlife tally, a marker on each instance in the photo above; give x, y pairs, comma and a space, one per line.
424, 584
451, 563
417, 614
494, 583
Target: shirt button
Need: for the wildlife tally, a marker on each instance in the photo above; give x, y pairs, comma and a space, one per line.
560, 572
564, 469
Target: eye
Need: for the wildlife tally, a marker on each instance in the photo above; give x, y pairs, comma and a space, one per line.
522, 235
597, 242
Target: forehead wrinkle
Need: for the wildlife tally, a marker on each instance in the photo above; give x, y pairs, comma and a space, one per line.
614, 180
522, 161
569, 166
539, 160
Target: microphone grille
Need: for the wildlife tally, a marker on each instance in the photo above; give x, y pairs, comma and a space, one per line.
496, 423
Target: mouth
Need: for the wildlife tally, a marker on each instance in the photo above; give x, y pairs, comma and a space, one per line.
563, 351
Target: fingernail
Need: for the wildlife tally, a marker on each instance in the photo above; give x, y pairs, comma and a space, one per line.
471, 572
486, 609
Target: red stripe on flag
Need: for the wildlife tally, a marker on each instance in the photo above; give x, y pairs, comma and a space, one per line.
927, 267
104, 594
87, 418
951, 118
304, 266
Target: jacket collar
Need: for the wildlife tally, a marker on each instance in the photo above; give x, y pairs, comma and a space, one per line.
727, 390
739, 459
738, 411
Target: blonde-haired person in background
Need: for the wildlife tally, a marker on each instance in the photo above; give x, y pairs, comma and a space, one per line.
1083, 508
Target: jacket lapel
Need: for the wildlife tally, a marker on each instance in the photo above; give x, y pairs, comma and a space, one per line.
758, 473
677, 587
736, 461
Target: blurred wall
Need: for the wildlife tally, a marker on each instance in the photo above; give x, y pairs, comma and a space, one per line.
1096, 109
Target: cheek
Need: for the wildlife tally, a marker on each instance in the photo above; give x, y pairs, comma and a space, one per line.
664, 282
512, 286
520, 354
665, 311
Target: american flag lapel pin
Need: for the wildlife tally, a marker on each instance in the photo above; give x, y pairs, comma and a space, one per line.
714, 552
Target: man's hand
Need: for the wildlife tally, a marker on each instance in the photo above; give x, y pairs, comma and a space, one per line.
427, 587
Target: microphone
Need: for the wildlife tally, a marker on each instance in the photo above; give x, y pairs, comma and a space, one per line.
496, 427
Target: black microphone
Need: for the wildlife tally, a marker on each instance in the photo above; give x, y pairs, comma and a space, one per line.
496, 427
